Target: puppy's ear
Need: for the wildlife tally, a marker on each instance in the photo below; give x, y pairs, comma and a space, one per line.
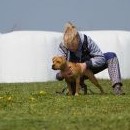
63, 58
53, 58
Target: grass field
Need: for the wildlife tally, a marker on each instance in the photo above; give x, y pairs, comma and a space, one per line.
36, 106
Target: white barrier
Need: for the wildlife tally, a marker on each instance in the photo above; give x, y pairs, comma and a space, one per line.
25, 56
114, 41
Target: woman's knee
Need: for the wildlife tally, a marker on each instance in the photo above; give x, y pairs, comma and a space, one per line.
110, 55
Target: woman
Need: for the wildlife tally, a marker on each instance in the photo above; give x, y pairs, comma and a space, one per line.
78, 47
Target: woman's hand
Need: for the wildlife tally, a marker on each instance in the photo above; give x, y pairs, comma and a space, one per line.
83, 67
68, 72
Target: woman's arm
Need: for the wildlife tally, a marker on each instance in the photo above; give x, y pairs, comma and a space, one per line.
97, 57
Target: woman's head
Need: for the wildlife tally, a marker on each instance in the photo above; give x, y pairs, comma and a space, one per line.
71, 37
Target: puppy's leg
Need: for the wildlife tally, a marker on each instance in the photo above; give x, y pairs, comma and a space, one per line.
83, 85
69, 88
93, 79
77, 86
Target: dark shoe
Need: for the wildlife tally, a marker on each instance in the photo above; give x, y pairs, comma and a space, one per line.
83, 85
84, 88
117, 90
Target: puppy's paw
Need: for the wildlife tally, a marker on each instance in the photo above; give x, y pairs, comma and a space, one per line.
76, 94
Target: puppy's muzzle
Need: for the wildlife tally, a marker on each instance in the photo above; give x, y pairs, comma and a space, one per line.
53, 67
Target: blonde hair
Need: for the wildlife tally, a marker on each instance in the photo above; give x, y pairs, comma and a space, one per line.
70, 33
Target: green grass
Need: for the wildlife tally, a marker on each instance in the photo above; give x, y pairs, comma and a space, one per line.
36, 106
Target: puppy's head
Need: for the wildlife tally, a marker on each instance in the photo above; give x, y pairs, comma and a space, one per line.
58, 62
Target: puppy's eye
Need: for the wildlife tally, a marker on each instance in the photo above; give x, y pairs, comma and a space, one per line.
58, 61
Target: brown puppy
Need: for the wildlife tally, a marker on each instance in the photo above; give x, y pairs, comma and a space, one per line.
60, 63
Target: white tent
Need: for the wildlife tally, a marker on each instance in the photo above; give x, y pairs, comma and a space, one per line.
25, 56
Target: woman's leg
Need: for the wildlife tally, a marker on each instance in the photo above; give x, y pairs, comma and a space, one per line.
114, 72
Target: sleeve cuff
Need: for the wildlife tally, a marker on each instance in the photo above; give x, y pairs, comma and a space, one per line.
59, 77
